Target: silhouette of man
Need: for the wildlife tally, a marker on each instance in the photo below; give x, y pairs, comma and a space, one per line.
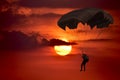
85, 60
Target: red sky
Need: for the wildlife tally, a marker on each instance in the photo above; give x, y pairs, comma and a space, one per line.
44, 64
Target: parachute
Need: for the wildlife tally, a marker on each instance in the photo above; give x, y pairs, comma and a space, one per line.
91, 16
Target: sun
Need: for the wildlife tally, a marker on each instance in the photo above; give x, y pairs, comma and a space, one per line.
63, 50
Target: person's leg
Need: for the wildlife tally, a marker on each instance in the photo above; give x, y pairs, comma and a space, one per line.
82, 64
85, 66
81, 67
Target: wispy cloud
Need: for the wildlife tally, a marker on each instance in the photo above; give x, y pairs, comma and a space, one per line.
70, 3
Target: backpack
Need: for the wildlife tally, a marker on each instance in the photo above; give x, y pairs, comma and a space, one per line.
85, 57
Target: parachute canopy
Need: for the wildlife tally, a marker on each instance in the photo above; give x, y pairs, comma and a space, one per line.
91, 16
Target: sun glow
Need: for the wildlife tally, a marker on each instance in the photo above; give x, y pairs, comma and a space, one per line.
63, 50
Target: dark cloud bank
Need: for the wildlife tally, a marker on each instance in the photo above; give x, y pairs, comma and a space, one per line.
17, 40
58, 42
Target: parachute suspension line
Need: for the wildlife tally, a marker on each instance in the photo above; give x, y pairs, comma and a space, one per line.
102, 31
85, 32
83, 35
107, 30
91, 34
94, 33
99, 33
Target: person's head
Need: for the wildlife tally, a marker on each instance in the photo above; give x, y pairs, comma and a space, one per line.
83, 54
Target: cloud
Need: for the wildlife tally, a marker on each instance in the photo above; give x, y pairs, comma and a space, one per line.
58, 3
24, 11
70, 3
47, 10
12, 1
54, 42
8, 4
17, 40
47, 15
8, 19
97, 40
11, 13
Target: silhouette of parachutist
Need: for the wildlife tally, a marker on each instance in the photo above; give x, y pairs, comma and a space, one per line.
85, 60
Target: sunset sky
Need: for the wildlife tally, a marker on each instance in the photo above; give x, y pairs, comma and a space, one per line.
41, 16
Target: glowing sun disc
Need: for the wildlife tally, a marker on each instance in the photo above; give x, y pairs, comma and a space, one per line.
63, 49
